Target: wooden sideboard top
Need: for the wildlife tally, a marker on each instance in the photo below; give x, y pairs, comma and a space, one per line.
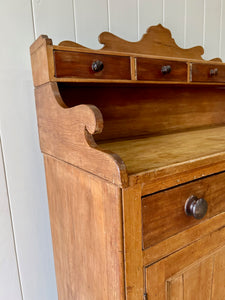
160, 128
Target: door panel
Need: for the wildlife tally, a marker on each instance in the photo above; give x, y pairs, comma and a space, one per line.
196, 272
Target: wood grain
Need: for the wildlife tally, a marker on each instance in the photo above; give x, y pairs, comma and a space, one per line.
73, 64
158, 154
86, 224
163, 213
175, 289
180, 262
132, 220
150, 69
66, 133
142, 110
218, 283
182, 239
201, 72
156, 41
197, 281
42, 60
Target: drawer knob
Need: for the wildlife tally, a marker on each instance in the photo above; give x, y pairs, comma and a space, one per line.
166, 69
97, 66
196, 207
213, 72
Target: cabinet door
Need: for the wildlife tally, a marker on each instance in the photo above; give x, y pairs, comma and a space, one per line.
196, 272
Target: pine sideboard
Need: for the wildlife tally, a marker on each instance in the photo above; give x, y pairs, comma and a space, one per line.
133, 138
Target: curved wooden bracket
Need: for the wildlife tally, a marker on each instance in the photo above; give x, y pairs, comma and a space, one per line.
66, 133
156, 41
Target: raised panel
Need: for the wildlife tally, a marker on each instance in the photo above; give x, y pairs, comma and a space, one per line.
218, 283
193, 273
197, 281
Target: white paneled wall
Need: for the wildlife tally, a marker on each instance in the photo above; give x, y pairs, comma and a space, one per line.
192, 22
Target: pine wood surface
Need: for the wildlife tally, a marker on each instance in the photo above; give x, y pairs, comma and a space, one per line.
136, 111
157, 134
150, 69
201, 72
86, 224
73, 64
153, 153
185, 261
182, 239
156, 41
163, 213
66, 133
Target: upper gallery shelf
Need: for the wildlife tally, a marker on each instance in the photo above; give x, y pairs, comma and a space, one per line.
147, 113
155, 59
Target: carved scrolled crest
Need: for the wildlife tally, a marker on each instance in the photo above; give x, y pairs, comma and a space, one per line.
156, 41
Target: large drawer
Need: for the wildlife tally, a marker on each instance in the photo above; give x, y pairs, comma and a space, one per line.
161, 70
207, 73
93, 66
164, 215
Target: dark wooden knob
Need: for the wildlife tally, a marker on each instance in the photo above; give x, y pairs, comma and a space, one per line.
166, 69
97, 66
196, 207
213, 72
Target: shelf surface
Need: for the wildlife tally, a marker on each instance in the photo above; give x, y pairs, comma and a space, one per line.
149, 154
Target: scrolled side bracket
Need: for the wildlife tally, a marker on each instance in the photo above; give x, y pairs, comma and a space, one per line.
67, 134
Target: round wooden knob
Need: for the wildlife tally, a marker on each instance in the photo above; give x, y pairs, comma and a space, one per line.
196, 207
166, 69
213, 72
97, 66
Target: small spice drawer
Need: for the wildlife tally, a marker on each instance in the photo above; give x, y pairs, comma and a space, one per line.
93, 66
161, 70
163, 213
207, 72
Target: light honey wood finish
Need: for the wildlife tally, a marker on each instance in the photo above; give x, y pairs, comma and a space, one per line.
117, 192
156, 41
92, 255
185, 261
71, 140
163, 154
163, 213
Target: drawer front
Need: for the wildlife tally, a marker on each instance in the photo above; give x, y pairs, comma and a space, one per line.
93, 66
161, 70
207, 73
163, 213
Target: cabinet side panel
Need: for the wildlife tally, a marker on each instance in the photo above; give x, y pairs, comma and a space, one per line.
86, 224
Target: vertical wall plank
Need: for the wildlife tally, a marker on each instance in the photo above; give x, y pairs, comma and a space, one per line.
174, 19
54, 18
194, 23
222, 44
10, 288
123, 19
23, 161
212, 28
150, 13
91, 18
